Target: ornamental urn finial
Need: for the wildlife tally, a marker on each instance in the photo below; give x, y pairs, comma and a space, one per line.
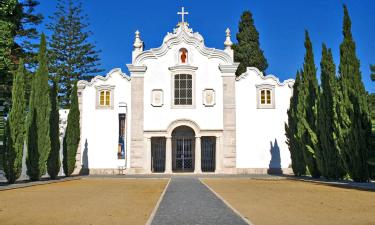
138, 43
228, 43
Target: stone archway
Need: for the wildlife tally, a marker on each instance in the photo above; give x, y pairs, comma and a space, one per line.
183, 149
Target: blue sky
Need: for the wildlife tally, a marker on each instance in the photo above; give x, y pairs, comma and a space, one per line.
281, 24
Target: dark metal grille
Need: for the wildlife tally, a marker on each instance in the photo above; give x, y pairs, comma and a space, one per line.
183, 154
158, 154
208, 147
183, 85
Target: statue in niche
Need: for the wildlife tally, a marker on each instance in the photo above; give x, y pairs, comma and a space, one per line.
183, 55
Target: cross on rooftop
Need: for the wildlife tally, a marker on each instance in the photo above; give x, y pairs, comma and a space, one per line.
183, 13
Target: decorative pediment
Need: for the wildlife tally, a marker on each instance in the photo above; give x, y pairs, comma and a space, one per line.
272, 78
83, 83
183, 34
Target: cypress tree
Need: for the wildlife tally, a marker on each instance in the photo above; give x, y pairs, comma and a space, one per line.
372, 68
53, 163
307, 109
327, 119
72, 134
73, 57
296, 153
39, 143
16, 133
247, 51
355, 118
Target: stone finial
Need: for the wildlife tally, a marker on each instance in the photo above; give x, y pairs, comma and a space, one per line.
228, 42
138, 43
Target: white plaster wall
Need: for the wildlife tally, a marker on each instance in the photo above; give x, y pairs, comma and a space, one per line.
158, 76
257, 128
100, 127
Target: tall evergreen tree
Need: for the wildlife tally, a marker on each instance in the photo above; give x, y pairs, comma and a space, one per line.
307, 109
18, 22
72, 135
16, 134
355, 118
372, 68
247, 51
327, 120
39, 143
295, 145
73, 57
53, 163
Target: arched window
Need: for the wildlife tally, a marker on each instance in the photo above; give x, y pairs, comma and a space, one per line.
105, 98
183, 56
265, 97
183, 89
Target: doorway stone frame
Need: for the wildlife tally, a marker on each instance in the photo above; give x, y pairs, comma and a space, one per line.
167, 133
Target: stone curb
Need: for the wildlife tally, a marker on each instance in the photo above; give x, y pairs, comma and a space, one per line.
339, 184
36, 183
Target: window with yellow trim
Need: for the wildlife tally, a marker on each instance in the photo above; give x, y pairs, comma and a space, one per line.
105, 98
265, 97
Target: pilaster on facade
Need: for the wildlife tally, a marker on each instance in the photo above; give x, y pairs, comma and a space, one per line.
137, 153
229, 117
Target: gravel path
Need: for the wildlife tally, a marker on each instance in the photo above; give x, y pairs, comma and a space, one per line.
187, 201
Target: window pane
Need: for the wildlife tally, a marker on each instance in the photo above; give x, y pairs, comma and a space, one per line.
101, 100
262, 97
268, 97
189, 83
182, 101
108, 98
183, 83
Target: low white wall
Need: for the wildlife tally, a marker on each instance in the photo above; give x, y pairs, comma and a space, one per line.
260, 131
100, 127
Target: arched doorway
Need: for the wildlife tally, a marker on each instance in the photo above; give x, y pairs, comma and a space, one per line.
183, 149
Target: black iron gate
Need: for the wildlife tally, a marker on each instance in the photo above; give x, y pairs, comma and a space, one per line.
158, 154
183, 153
208, 147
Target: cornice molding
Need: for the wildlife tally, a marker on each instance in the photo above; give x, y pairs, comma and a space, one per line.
273, 78
182, 67
136, 68
83, 83
229, 68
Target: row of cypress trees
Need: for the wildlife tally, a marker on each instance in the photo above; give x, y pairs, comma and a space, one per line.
329, 127
38, 126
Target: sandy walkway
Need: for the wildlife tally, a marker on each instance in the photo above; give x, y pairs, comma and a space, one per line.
88, 201
286, 202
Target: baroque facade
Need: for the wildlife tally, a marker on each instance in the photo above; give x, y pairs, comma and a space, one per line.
182, 109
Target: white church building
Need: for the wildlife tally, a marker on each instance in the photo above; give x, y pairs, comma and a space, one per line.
183, 109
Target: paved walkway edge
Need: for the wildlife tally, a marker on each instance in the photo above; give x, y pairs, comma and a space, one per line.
227, 203
37, 183
151, 218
